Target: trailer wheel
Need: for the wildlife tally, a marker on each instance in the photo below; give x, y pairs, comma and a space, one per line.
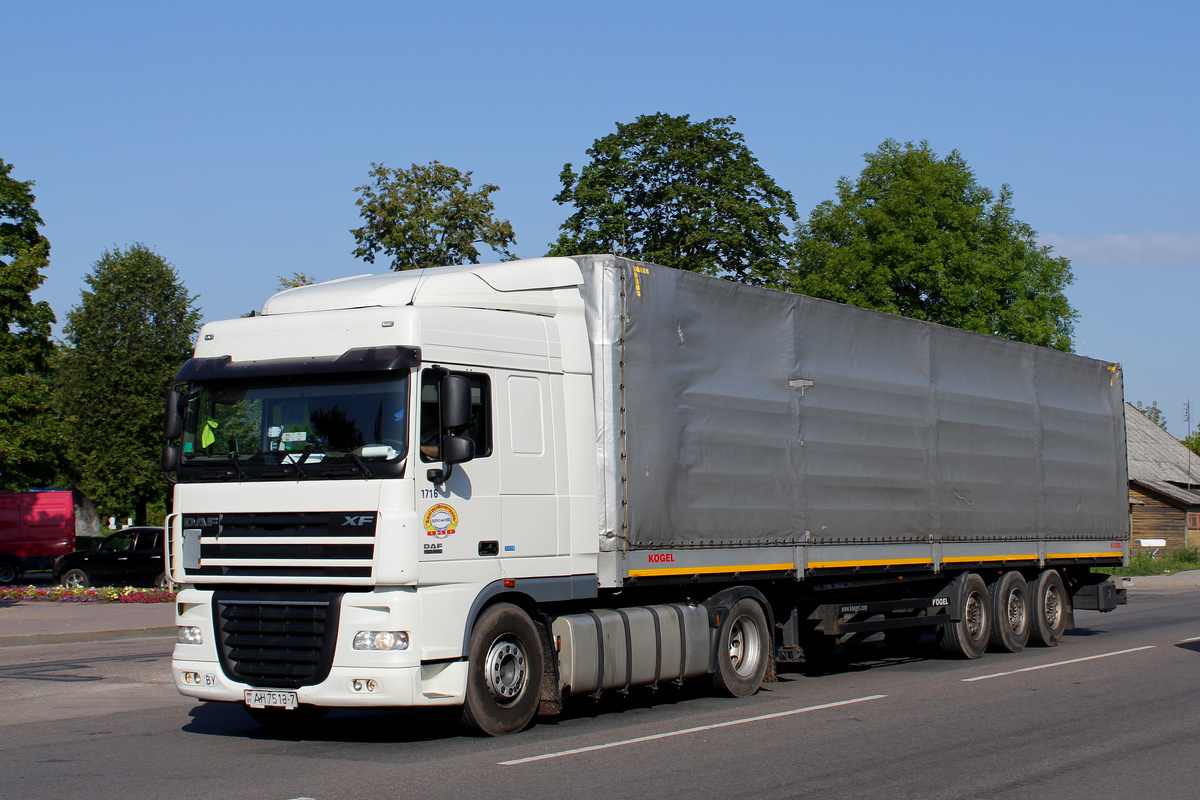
504, 671
1049, 606
968, 637
1010, 613
75, 579
742, 647
9, 571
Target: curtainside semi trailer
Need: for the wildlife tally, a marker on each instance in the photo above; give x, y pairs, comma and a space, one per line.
496, 486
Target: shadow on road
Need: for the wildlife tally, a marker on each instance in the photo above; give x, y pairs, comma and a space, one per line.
1084, 632
397, 726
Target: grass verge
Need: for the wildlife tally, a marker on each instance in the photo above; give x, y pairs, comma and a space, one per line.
1145, 564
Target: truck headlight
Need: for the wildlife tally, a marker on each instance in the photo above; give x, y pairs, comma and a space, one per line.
381, 640
188, 634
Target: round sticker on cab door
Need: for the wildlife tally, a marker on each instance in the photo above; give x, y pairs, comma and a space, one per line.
441, 520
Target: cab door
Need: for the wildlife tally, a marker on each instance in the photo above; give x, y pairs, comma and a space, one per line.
461, 518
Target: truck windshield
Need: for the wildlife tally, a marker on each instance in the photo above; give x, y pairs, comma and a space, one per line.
296, 427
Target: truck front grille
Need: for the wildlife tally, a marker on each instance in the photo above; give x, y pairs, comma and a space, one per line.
276, 639
315, 547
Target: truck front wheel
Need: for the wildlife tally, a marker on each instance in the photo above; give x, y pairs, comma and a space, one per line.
10, 571
504, 671
742, 648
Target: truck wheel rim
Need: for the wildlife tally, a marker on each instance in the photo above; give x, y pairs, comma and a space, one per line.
1053, 606
505, 671
1016, 612
973, 615
744, 646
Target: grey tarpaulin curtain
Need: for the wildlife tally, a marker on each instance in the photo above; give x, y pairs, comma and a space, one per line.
753, 416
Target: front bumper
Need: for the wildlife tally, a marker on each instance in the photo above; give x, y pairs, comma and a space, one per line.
356, 678
439, 684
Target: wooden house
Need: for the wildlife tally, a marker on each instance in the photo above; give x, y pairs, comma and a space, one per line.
1164, 487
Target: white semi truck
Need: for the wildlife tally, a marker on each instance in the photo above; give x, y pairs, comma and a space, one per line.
495, 486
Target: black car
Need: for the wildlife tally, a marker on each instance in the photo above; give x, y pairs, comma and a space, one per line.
131, 557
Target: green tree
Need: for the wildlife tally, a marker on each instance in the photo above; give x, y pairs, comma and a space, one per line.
427, 216
126, 340
31, 434
683, 194
1192, 442
1152, 412
298, 279
916, 235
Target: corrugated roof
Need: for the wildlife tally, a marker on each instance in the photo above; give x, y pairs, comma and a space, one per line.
1159, 461
1172, 491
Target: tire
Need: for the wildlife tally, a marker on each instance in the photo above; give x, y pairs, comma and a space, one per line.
283, 719
1049, 606
1010, 613
742, 649
504, 671
10, 571
75, 579
968, 637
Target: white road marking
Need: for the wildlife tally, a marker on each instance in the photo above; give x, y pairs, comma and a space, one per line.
1193, 639
698, 729
1057, 664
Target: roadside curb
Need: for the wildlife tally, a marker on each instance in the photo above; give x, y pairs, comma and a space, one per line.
77, 637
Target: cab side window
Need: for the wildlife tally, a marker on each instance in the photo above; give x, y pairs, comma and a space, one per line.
480, 428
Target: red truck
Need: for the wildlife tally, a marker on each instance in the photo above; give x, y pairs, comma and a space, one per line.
35, 529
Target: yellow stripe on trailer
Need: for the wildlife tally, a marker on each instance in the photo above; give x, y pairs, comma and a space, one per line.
1108, 554
966, 559
728, 568
874, 562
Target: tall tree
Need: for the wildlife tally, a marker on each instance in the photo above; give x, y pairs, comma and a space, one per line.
126, 340
31, 435
916, 235
679, 193
427, 216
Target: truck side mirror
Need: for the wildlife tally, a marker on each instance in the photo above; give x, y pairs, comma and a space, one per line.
457, 449
170, 458
173, 420
455, 396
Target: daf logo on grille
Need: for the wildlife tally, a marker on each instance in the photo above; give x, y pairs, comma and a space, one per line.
359, 521
201, 522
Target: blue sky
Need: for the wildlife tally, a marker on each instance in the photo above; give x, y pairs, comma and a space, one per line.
230, 137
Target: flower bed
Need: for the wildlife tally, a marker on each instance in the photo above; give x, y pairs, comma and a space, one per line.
103, 594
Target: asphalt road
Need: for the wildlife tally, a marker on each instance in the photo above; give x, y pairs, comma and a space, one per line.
1113, 712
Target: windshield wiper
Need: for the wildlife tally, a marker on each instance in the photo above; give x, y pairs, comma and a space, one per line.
362, 465
298, 463
241, 473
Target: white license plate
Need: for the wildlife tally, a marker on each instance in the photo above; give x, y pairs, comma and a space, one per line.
262, 698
